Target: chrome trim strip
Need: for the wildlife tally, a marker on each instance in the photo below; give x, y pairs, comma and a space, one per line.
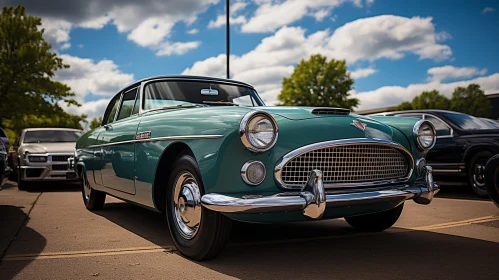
168, 138
436, 117
344, 142
446, 170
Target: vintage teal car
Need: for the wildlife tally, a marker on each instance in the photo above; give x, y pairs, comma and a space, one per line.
207, 151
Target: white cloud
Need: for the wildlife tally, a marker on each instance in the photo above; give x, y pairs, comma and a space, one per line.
362, 73
85, 76
274, 58
369, 2
394, 95
92, 109
271, 15
488, 10
321, 14
451, 72
221, 19
387, 36
238, 7
193, 31
177, 48
148, 23
65, 46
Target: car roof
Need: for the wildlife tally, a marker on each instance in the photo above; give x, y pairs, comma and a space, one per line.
51, 128
191, 78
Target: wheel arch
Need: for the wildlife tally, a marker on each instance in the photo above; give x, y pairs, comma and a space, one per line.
473, 150
165, 164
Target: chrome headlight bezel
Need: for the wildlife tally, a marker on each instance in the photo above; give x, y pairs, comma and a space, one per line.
416, 130
244, 131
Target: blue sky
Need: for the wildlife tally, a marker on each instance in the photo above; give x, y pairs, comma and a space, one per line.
394, 49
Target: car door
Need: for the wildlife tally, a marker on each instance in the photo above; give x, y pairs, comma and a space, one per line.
119, 147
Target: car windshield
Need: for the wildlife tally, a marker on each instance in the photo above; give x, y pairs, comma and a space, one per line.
468, 122
175, 93
51, 136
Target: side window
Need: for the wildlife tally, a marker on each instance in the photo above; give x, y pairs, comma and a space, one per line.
127, 104
441, 127
111, 109
136, 106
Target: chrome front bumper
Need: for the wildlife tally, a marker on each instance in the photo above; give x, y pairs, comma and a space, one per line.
313, 198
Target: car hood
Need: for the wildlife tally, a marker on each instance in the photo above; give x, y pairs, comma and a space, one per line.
334, 122
35, 148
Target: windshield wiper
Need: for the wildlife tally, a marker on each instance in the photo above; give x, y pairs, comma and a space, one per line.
176, 106
221, 103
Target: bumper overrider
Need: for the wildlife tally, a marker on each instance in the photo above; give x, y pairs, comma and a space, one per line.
313, 199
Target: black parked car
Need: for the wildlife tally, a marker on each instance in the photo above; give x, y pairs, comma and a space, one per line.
464, 144
4, 167
492, 178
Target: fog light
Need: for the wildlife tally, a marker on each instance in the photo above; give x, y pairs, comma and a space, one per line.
37, 159
253, 172
421, 167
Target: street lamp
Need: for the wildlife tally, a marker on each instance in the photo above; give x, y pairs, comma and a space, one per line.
227, 34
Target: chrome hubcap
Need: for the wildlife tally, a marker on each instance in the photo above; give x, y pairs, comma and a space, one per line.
86, 188
187, 205
479, 175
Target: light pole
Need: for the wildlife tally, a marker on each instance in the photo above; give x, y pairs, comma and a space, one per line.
227, 35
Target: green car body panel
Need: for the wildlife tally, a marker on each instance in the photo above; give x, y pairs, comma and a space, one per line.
220, 153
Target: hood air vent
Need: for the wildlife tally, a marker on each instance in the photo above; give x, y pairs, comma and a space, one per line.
330, 111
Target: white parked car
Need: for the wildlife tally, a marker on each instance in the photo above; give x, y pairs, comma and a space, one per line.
44, 154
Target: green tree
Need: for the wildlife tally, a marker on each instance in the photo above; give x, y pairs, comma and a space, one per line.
471, 100
95, 123
318, 82
27, 68
426, 100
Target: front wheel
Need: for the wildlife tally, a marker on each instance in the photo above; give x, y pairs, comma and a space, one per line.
376, 221
476, 173
197, 232
93, 199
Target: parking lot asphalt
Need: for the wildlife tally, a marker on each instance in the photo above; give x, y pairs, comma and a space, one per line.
47, 233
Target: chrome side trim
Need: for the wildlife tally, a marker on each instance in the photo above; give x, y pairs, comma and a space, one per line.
344, 142
168, 138
447, 170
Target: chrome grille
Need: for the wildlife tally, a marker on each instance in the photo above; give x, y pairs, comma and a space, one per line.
60, 158
344, 164
60, 167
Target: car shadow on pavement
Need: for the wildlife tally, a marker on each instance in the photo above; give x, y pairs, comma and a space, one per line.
387, 255
458, 192
54, 187
327, 249
142, 222
13, 222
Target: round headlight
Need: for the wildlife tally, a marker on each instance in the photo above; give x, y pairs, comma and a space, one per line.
258, 131
425, 134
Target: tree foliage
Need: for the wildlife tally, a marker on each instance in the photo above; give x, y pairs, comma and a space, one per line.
318, 82
29, 95
469, 100
426, 100
95, 123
